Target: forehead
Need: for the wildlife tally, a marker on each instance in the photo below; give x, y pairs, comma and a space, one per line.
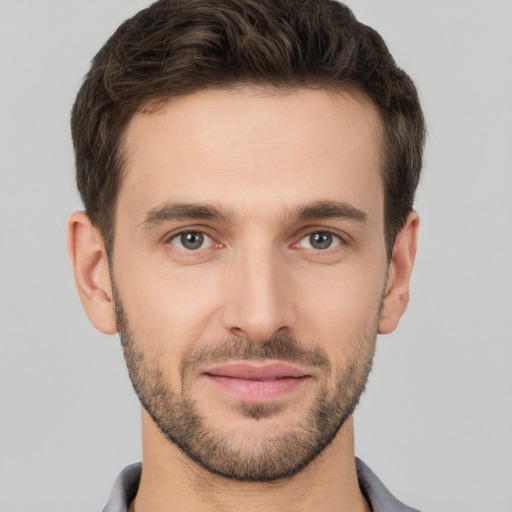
253, 148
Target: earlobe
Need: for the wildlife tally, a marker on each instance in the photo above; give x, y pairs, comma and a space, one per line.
396, 295
90, 266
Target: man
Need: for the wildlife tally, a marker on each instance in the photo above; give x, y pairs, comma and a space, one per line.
248, 170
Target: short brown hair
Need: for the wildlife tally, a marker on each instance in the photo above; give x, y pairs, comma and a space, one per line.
176, 47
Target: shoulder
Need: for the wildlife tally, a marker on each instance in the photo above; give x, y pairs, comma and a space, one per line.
125, 488
377, 495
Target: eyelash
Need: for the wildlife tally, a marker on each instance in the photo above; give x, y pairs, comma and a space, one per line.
178, 235
342, 240
334, 237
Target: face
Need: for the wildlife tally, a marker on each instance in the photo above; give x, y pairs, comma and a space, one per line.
248, 272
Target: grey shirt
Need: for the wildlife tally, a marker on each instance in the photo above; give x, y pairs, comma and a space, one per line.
379, 498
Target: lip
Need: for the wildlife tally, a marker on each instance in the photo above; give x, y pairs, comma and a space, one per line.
256, 383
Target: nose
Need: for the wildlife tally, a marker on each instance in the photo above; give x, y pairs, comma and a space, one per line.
258, 299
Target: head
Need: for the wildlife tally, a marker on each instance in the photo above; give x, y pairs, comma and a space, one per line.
248, 172
177, 47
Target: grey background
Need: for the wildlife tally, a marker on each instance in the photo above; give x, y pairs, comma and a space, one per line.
436, 421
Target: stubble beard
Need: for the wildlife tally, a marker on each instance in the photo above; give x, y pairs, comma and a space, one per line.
256, 458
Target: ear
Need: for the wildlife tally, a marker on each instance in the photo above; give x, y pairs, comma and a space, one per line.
90, 266
396, 296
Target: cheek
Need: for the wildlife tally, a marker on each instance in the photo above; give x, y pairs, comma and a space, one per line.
340, 309
168, 311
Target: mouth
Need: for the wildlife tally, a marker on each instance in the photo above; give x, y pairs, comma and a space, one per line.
257, 383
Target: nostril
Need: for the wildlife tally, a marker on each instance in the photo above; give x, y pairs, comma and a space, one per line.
239, 333
259, 335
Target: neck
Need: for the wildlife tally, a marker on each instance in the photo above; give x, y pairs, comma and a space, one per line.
172, 482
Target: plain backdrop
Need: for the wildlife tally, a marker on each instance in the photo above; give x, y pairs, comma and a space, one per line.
436, 421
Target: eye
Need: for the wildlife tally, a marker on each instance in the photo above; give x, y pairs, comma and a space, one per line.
320, 241
192, 240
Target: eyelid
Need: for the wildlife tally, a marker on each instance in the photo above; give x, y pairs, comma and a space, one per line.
207, 241
343, 237
173, 235
169, 235
331, 247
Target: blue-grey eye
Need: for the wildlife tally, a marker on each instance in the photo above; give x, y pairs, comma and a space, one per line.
192, 240
320, 241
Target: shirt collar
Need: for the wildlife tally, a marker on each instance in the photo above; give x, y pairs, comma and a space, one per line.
380, 499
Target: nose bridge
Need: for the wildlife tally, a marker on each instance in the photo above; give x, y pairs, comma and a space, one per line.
257, 306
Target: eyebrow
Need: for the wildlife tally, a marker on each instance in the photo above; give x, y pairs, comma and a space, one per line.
182, 211
328, 210
310, 211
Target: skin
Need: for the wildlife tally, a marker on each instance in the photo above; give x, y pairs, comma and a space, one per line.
260, 157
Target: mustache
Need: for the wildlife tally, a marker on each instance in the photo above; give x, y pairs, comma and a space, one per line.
282, 347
